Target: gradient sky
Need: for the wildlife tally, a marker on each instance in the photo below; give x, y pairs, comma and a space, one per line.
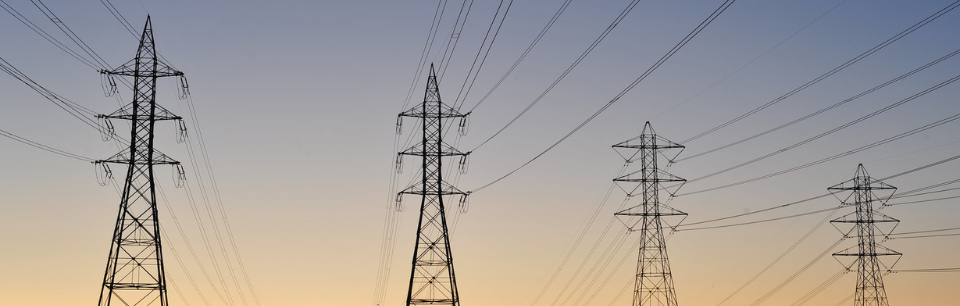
297, 101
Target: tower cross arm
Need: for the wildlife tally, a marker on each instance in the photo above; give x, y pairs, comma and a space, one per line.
444, 112
447, 150
123, 157
445, 189
126, 113
130, 69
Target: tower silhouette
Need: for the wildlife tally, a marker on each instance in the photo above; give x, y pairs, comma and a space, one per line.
432, 279
135, 273
861, 192
654, 280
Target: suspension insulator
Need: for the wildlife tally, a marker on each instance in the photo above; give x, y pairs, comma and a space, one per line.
399, 163
109, 85
183, 90
179, 176
106, 128
181, 131
103, 173
464, 203
464, 163
399, 125
464, 126
399, 206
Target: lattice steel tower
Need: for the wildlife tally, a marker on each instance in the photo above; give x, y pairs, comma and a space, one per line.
135, 273
654, 281
432, 279
861, 192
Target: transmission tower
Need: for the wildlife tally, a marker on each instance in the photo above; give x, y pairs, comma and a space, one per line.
135, 273
654, 282
432, 279
865, 224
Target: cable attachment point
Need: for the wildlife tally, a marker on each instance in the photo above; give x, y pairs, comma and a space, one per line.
399, 125
106, 128
399, 206
464, 163
464, 126
180, 176
183, 91
399, 163
464, 203
103, 173
109, 84
181, 131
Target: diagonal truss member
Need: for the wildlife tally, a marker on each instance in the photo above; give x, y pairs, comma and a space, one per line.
135, 273
432, 279
654, 281
866, 224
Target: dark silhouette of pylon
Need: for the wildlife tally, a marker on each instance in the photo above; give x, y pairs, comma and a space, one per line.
432, 279
135, 273
861, 192
654, 281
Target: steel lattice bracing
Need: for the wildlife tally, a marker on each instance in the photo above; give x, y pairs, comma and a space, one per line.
432, 279
861, 192
654, 280
135, 273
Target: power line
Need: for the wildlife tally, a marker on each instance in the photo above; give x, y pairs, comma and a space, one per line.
609, 251
833, 71
923, 201
831, 131
836, 156
427, 46
913, 192
751, 61
596, 42
828, 108
779, 258
926, 231
220, 205
186, 241
817, 290
716, 13
13, 12
927, 270
454, 38
925, 193
933, 164
76, 110
536, 40
123, 21
44, 147
756, 212
794, 276
761, 221
926, 236
912, 235
70, 34
490, 47
579, 239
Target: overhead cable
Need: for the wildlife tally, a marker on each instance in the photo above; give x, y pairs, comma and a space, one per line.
44, 147
536, 40
479, 50
828, 108
833, 71
596, 42
831, 131
716, 13
933, 164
